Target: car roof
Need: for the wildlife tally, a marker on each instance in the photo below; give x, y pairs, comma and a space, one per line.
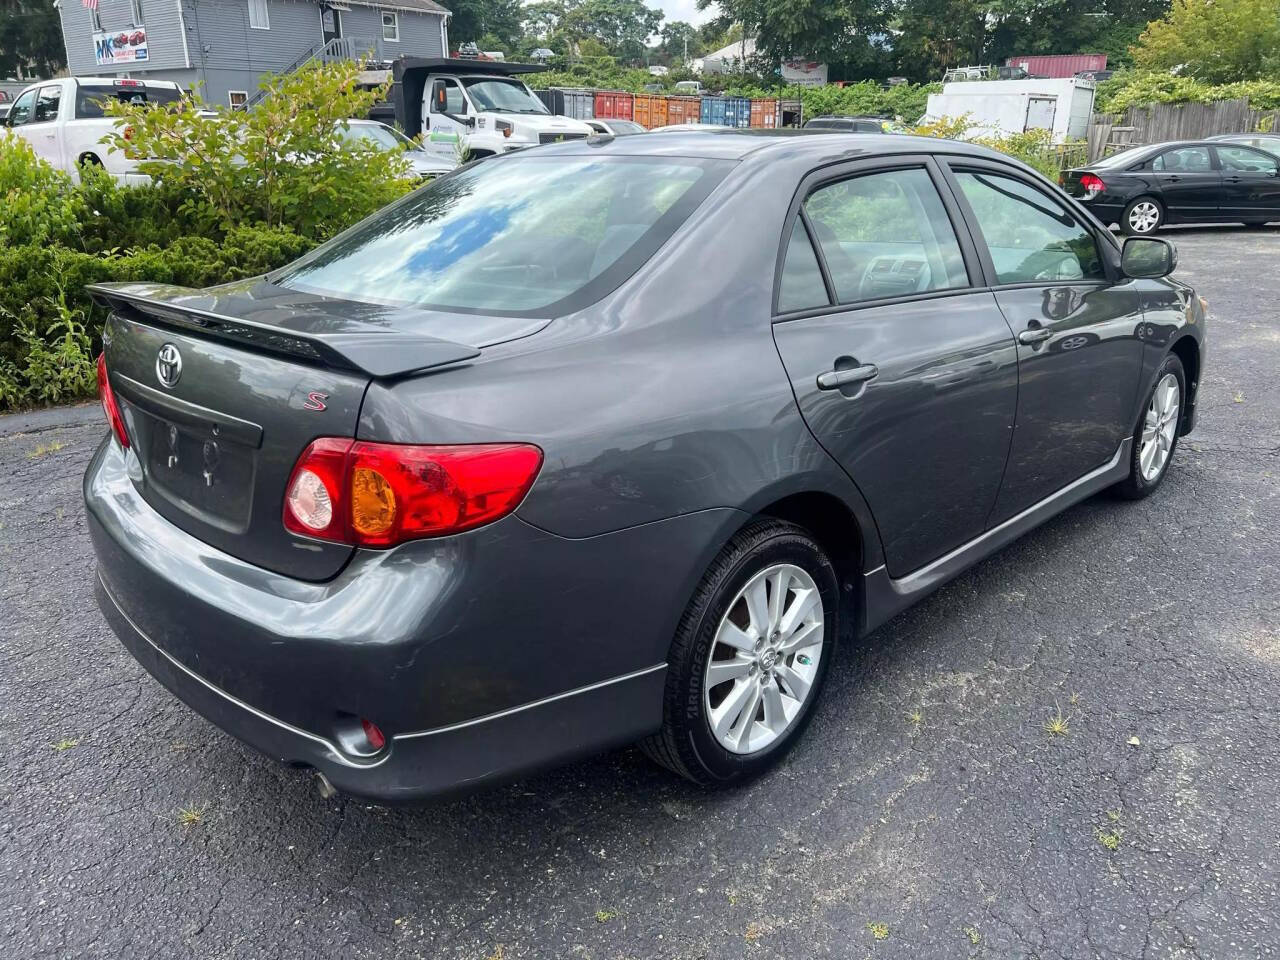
723, 143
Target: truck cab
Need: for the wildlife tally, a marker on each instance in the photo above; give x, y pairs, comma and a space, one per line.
474, 108
65, 120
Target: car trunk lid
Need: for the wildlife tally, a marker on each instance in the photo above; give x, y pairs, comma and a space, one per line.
222, 390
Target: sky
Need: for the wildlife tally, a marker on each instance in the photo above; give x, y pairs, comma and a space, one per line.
686, 10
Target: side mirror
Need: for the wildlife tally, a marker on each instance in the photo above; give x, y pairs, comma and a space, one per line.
442, 98
1148, 258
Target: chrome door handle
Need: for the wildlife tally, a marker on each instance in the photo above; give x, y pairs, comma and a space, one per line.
835, 379
1035, 335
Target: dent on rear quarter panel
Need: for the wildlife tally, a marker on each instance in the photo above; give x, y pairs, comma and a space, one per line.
665, 398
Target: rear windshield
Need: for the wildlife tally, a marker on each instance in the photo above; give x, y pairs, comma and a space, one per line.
370, 135
523, 235
1123, 158
90, 97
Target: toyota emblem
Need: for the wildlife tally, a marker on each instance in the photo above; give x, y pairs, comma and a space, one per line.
168, 365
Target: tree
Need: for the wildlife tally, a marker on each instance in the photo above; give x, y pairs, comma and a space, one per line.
1217, 41
474, 19
30, 39
680, 41
623, 26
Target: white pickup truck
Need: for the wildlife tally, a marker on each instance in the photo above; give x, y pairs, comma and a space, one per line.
474, 108
64, 120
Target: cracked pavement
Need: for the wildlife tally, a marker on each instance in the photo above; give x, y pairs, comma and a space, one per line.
928, 795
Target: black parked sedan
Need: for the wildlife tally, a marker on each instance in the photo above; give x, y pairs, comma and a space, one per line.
1144, 188
610, 441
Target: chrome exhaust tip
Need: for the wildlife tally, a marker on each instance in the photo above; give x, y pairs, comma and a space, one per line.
327, 790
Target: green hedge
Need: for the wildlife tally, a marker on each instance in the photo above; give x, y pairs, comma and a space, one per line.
1133, 89
227, 202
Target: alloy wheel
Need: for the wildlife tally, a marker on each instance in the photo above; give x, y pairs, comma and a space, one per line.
1160, 427
1144, 217
764, 659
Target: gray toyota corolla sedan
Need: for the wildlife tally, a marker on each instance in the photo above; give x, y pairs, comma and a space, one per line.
610, 441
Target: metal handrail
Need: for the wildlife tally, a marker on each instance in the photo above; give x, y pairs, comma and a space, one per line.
339, 48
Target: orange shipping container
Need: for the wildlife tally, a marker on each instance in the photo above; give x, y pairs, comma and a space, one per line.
684, 110
764, 113
650, 111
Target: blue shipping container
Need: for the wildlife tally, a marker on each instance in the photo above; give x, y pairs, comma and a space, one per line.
713, 110
737, 112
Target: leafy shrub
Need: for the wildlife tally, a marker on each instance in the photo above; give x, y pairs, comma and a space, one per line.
283, 163
233, 195
1134, 89
37, 203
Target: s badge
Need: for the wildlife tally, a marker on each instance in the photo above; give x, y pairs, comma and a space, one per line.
315, 401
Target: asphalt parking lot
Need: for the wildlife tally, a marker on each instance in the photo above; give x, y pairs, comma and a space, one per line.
930, 812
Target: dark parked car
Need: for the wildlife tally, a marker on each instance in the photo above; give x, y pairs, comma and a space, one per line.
1144, 188
846, 124
573, 447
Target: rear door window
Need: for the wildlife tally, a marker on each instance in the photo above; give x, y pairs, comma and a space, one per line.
885, 235
523, 235
47, 101
801, 285
1029, 235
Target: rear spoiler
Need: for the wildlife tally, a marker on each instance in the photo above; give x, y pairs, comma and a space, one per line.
377, 352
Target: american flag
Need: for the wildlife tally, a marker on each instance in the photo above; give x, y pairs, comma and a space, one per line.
89, 4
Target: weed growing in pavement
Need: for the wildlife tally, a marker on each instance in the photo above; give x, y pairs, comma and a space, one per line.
1058, 725
754, 932
916, 717
44, 449
604, 916
191, 815
65, 744
1110, 838
879, 930
972, 934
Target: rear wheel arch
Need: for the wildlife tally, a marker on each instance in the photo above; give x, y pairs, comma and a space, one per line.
1188, 351
836, 529
88, 157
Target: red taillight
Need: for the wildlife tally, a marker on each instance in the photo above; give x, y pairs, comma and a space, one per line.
1092, 184
377, 739
109, 406
380, 494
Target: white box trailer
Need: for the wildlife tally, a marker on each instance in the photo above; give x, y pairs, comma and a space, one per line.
1002, 107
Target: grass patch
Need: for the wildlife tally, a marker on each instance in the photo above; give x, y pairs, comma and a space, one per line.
44, 449
1110, 836
604, 916
879, 930
65, 744
972, 935
192, 815
1058, 725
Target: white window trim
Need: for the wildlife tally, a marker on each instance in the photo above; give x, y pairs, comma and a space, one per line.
266, 16
232, 104
395, 22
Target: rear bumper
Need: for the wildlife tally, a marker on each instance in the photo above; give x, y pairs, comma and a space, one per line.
481, 656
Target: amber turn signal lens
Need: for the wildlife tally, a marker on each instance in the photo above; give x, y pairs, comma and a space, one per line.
373, 502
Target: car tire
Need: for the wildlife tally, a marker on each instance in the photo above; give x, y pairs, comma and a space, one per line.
1142, 217
762, 555
1145, 476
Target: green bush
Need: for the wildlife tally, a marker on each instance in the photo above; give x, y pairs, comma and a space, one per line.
228, 200
1135, 89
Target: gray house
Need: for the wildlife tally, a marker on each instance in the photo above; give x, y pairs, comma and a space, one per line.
223, 47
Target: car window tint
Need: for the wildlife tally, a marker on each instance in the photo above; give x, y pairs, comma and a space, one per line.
1184, 160
1238, 159
20, 113
801, 286
1030, 236
514, 235
47, 101
885, 235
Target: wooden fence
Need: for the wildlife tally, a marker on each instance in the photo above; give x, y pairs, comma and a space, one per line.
1158, 122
